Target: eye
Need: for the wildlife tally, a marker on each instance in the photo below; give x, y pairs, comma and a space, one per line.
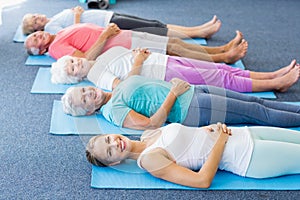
109, 152
72, 69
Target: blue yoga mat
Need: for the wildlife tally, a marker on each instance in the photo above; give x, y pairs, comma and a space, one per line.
63, 124
43, 85
43, 60
200, 41
129, 176
19, 36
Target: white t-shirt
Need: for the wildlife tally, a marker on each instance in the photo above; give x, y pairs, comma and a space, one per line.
66, 18
117, 63
191, 146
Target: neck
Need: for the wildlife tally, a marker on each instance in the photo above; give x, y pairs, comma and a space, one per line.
107, 97
137, 148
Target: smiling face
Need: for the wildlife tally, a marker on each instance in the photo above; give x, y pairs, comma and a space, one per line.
40, 40
110, 149
37, 21
78, 67
88, 98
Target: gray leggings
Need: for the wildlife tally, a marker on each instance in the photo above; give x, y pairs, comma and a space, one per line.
212, 104
276, 152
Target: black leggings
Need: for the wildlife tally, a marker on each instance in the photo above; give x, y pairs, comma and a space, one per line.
129, 22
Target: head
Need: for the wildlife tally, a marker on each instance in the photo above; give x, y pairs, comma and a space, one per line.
68, 70
78, 101
33, 22
108, 150
37, 43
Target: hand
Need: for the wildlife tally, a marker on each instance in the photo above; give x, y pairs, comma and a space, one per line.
140, 55
111, 30
78, 10
179, 86
219, 130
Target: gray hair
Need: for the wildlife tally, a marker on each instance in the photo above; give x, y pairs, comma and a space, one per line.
31, 50
59, 73
69, 107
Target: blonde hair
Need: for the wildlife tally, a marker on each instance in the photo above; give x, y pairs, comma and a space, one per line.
27, 25
89, 153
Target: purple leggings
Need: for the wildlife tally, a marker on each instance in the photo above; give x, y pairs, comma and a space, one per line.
198, 72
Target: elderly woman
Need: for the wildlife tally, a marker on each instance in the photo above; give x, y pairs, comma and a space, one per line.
142, 103
118, 63
39, 22
191, 156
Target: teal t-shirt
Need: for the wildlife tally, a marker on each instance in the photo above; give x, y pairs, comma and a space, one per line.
145, 96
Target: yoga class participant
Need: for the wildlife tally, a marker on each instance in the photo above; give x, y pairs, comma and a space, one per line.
89, 41
191, 156
117, 63
40, 22
142, 103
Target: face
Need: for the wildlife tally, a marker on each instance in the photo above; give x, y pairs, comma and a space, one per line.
88, 98
38, 21
78, 67
39, 39
111, 148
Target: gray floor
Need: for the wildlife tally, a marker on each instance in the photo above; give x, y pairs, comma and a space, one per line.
37, 165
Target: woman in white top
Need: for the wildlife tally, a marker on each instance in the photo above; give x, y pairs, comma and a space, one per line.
38, 22
118, 63
191, 156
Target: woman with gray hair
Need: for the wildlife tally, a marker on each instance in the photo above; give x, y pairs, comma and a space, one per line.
117, 63
142, 103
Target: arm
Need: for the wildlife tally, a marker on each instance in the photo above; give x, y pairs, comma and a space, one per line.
137, 121
96, 49
78, 10
165, 169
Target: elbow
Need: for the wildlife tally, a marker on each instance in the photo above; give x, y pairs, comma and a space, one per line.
204, 183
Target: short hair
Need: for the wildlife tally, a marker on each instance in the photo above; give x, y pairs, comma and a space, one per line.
90, 156
59, 72
27, 26
31, 50
69, 107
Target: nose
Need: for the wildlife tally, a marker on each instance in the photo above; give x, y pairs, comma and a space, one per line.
115, 144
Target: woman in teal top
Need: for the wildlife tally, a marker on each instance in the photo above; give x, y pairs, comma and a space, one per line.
142, 103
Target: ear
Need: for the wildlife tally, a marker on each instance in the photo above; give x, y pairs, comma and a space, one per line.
43, 51
114, 163
90, 112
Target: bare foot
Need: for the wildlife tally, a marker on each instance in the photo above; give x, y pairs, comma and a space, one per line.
210, 22
236, 53
208, 31
289, 79
285, 69
234, 42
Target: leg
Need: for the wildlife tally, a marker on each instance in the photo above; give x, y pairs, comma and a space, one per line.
212, 104
271, 75
268, 142
203, 31
129, 22
179, 48
200, 72
280, 84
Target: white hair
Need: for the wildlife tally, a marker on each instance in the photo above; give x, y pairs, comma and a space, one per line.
69, 107
59, 72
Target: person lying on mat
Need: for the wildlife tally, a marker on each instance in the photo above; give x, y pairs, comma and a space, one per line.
89, 41
191, 156
117, 63
142, 103
39, 22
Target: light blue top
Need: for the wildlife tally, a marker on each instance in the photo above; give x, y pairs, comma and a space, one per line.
66, 18
145, 96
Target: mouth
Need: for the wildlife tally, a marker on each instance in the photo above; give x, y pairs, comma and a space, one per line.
122, 145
